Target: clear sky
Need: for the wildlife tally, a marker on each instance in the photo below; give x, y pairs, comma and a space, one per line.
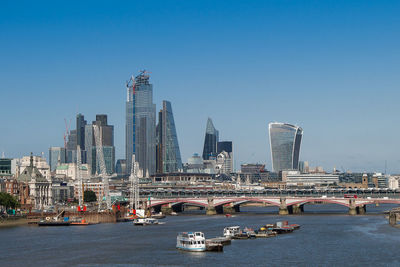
331, 67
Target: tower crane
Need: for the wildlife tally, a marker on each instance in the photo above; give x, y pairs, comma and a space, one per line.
103, 171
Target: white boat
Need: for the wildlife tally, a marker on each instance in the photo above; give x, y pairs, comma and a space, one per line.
191, 241
231, 231
145, 221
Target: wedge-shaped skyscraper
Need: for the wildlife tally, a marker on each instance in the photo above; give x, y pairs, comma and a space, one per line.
210, 141
285, 140
168, 153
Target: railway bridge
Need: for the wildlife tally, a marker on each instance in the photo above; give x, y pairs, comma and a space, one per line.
286, 204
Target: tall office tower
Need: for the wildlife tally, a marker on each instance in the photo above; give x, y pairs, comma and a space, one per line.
71, 147
210, 141
168, 153
225, 157
56, 156
141, 124
107, 141
285, 140
80, 135
224, 146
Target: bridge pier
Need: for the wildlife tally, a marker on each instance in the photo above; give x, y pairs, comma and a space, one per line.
297, 209
352, 207
283, 208
166, 209
230, 208
393, 218
210, 210
361, 210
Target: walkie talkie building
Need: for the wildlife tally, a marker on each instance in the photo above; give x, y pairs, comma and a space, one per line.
285, 140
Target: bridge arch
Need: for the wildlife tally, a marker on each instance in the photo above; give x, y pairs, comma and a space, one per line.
323, 200
240, 201
175, 202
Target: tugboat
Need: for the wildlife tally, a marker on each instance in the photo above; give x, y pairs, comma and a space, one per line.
191, 241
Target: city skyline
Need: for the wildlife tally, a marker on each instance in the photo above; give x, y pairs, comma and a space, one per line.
330, 69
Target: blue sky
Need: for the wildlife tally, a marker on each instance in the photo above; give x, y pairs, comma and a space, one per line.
331, 67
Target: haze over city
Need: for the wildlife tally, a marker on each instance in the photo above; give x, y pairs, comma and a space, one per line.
330, 67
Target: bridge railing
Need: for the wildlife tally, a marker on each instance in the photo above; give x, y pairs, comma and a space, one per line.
269, 193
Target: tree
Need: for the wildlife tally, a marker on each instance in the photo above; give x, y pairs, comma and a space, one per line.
8, 201
89, 196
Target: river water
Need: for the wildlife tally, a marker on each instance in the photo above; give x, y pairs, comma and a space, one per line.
327, 239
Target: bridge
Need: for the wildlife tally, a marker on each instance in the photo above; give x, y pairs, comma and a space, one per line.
286, 204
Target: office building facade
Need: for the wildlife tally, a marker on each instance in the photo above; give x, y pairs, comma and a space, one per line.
141, 124
210, 141
107, 142
168, 152
285, 140
80, 135
56, 157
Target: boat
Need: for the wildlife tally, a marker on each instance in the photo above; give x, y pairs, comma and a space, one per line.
214, 246
249, 232
145, 221
283, 230
78, 222
191, 241
283, 227
295, 226
53, 223
264, 232
231, 231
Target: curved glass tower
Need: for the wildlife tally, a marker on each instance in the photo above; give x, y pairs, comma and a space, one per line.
168, 153
285, 140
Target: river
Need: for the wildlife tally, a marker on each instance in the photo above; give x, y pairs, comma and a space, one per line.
327, 239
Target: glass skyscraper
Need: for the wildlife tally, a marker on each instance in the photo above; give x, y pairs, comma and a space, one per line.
210, 141
141, 124
285, 140
56, 154
168, 153
107, 141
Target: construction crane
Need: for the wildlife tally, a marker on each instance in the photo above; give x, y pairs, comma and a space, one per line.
103, 171
66, 134
79, 174
134, 196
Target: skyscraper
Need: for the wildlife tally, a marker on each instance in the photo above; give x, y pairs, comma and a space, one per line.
285, 140
210, 141
56, 155
141, 123
71, 147
107, 141
80, 135
168, 153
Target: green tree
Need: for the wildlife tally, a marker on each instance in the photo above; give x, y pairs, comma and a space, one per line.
8, 201
89, 196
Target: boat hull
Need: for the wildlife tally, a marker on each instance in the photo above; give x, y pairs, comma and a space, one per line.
191, 249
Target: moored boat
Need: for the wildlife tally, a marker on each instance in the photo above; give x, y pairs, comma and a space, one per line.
231, 231
145, 221
53, 223
191, 241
